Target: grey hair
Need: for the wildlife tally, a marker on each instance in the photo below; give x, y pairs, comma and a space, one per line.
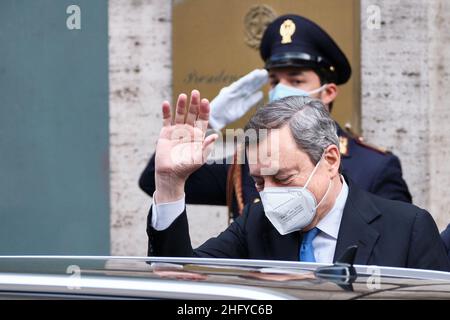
310, 123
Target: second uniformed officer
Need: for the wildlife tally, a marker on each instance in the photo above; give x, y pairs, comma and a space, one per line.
302, 59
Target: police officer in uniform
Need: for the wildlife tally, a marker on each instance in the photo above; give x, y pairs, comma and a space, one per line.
301, 59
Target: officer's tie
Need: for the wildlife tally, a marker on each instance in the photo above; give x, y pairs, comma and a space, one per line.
306, 248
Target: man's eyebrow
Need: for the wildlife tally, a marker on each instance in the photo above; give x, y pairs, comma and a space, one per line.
280, 172
285, 172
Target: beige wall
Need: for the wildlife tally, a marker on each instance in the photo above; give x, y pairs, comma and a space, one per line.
405, 73
140, 79
405, 81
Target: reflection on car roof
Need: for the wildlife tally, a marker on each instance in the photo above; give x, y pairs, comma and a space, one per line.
282, 279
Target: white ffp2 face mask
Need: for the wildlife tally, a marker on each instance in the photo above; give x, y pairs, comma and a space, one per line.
291, 209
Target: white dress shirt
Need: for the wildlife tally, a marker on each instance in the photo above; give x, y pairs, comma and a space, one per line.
324, 244
163, 214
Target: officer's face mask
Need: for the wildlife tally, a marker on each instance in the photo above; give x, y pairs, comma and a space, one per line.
291, 209
282, 91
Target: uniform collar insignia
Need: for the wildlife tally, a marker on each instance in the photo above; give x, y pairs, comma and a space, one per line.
343, 145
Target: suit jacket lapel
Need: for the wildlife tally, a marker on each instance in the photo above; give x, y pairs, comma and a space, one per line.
278, 247
355, 229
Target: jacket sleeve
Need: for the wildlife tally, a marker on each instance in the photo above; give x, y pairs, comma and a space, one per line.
427, 251
389, 182
175, 240
445, 235
147, 178
171, 242
207, 185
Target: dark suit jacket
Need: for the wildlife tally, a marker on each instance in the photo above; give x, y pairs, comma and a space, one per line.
388, 233
446, 237
373, 171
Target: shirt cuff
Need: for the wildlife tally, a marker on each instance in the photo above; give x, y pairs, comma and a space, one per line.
164, 214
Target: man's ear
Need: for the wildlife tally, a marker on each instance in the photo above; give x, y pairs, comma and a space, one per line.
329, 94
332, 157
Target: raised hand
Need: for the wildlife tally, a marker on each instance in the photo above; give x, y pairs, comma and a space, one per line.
182, 147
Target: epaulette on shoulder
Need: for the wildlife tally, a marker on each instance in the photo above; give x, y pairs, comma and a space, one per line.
360, 140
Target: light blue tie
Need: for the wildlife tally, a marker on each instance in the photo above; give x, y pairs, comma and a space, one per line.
306, 248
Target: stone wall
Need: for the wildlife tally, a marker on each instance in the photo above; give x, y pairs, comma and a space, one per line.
140, 79
405, 72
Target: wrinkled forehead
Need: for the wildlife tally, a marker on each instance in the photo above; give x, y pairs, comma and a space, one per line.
274, 152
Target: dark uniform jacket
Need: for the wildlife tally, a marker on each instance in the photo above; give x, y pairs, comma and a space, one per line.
387, 233
371, 169
446, 237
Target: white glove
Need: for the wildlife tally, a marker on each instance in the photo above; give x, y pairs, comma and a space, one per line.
235, 100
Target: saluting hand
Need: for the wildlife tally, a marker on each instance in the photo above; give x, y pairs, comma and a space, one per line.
237, 99
182, 147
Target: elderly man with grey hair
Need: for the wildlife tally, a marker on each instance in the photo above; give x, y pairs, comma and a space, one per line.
308, 210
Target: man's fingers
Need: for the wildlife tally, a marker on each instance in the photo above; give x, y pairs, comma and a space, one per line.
180, 112
194, 107
210, 139
203, 115
208, 145
166, 114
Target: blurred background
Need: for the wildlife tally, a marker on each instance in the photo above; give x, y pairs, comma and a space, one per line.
81, 84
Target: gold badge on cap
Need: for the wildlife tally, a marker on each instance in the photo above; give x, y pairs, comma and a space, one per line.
287, 29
